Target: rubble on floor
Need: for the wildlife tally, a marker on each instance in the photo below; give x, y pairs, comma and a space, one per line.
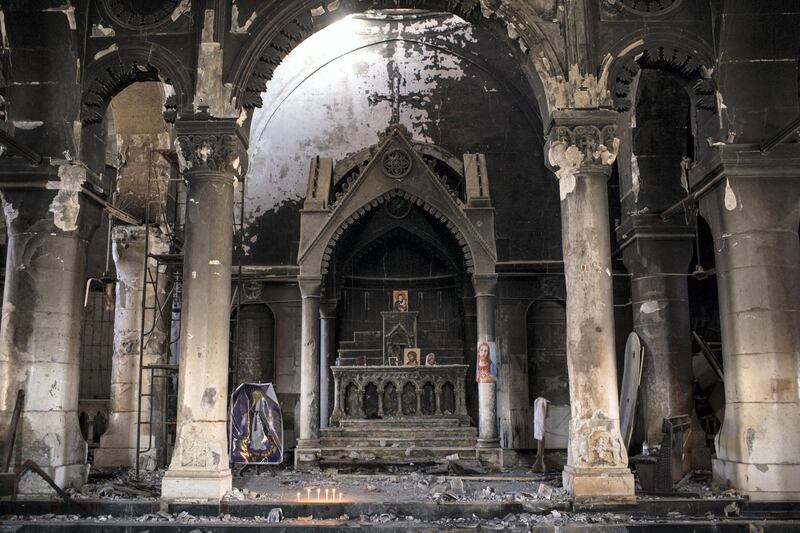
120, 484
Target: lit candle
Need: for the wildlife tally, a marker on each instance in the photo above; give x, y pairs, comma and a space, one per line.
340, 495
318, 491
308, 494
326, 494
298, 497
333, 495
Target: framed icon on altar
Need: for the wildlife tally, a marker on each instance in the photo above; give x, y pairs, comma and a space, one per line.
411, 357
400, 301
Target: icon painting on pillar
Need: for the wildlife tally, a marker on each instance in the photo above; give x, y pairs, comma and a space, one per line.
486, 371
400, 301
256, 425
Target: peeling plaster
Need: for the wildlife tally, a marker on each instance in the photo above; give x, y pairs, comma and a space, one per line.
636, 179
3, 33
566, 185
184, 7
10, 212
98, 30
211, 92
652, 306
66, 205
308, 94
730, 196
68, 10
27, 124
106, 51
235, 26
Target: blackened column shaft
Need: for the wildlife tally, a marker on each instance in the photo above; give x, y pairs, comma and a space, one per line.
583, 146
48, 238
210, 153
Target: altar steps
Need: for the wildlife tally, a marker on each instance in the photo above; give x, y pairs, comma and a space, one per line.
397, 441
406, 422
400, 456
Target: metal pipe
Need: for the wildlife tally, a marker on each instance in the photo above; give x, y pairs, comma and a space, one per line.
10, 142
692, 198
791, 129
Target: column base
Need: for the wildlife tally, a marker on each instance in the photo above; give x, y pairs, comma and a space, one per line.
599, 484
195, 485
488, 443
760, 482
307, 454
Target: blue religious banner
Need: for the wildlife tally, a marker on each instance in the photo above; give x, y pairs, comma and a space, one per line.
256, 425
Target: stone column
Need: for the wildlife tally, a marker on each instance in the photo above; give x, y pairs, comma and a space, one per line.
583, 147
658, 259
754, 212
118, 443
327, 328
485, 288
40, 336
307, 451
209, 152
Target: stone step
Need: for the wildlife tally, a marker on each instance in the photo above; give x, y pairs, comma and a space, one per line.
394, 456
393, 442
411, 423
400, 433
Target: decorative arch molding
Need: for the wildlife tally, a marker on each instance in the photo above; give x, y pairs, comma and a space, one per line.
323, 225
109, 75
378, 202
424, 241
280, 26
685, 57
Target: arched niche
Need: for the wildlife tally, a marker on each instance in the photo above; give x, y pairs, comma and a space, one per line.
254, 337
546, 333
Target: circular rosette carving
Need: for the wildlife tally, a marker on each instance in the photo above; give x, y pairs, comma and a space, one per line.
139, 14
649, 7
396, 163
398, 207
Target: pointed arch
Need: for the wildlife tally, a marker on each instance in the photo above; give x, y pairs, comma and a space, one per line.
379, 201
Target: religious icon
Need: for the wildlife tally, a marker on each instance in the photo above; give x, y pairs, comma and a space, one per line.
400, 301
486, 372
256, 425
430, 359
411, 357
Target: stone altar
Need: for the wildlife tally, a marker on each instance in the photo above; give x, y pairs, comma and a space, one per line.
399, 392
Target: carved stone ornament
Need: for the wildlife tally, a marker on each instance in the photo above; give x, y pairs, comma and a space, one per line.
253, 290
208, 152
396, 163
398, 207
139, 14
596, 442
645, 7
571, 148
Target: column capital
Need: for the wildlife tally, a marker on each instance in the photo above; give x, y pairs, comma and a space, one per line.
583, 141
745, 161
310, 286
216, 146
327, 308
484, 284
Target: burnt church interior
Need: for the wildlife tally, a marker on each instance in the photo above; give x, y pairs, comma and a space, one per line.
444, 265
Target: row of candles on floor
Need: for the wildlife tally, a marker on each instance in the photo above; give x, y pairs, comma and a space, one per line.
329, 496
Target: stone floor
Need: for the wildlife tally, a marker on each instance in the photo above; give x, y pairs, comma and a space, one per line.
388, 500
